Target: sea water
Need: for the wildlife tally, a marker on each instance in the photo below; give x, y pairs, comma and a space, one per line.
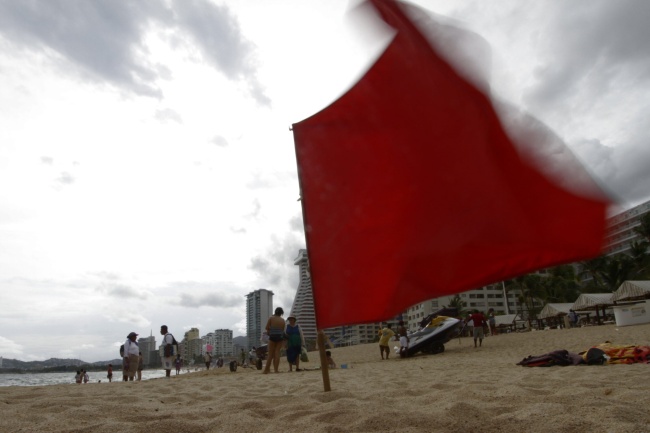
40, 379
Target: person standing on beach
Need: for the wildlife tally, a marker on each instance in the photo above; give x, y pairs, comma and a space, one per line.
178, 364
85, 375
78, 377
140, 366
275, 328
131, 355
109, 375
167, 358
573, 318
492, 321
384, 338
207, 358
403, 339
295, 341
479, 322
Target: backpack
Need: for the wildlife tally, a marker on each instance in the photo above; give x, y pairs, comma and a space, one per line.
122, 351
168, 350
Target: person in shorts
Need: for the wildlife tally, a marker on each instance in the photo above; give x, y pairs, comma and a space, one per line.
384, 337
479, 322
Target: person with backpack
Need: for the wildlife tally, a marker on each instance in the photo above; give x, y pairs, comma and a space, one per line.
169, 343
131, 355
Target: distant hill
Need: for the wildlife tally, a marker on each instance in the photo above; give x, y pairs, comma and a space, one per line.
52, 364
240, 341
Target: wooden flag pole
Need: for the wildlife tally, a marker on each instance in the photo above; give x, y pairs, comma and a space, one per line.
324, 365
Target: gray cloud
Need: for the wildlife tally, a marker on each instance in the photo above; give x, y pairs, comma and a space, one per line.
168, 115
296, 224
200, 294
216, 31
122, 291
65, 178
218, 140
47, 160
105, 40
275, 267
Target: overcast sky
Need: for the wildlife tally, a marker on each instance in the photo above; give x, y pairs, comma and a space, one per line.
147, 170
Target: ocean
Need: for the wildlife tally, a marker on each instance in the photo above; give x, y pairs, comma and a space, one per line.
40, 379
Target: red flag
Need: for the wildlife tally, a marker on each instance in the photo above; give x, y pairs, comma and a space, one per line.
411, 189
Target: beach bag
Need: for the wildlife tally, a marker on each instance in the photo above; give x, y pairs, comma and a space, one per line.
303, 354
276, 334
595, 356
122, 351
233, 366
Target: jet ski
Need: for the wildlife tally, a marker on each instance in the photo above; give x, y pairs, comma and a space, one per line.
434, 331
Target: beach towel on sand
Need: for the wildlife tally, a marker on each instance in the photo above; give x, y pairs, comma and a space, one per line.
557, 357
622, 354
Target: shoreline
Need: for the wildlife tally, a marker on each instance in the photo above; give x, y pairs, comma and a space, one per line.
459, 390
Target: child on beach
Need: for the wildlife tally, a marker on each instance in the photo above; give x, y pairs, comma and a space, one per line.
330, 361
110, 373
78, 377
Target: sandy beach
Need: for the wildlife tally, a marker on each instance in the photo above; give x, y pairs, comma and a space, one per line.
461, 390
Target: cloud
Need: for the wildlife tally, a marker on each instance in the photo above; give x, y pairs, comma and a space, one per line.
106, 41
196, 294
65, 178
103, 39
276, 267
47, 160
122, 291
132, 318
168, 115
218, 140
216, 300
217, 34
607, 53
10, 347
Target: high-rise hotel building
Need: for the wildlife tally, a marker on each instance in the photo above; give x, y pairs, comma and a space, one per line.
259, 307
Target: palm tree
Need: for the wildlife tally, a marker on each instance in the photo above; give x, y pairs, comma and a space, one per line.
457, 302
532, 288
640, 259
561, 284
618, 269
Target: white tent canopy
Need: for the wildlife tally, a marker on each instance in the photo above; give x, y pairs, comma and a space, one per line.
554, 310
506, 319
592, 301
632, 290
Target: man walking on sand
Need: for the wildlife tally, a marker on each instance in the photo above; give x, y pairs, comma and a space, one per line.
479, 322
168, 354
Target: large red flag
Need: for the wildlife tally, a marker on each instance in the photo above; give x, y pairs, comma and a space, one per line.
412, 189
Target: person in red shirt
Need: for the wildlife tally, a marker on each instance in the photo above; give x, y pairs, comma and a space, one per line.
479, 322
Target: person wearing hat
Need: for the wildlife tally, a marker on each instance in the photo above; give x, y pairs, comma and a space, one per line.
131, 355
295, 341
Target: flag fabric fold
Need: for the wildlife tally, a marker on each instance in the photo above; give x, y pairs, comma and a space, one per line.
412, 189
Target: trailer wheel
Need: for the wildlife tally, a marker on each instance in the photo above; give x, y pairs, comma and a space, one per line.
434, 348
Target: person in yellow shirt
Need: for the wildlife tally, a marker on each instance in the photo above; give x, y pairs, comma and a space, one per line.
384, 337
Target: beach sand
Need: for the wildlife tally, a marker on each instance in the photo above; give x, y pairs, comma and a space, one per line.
461, 390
